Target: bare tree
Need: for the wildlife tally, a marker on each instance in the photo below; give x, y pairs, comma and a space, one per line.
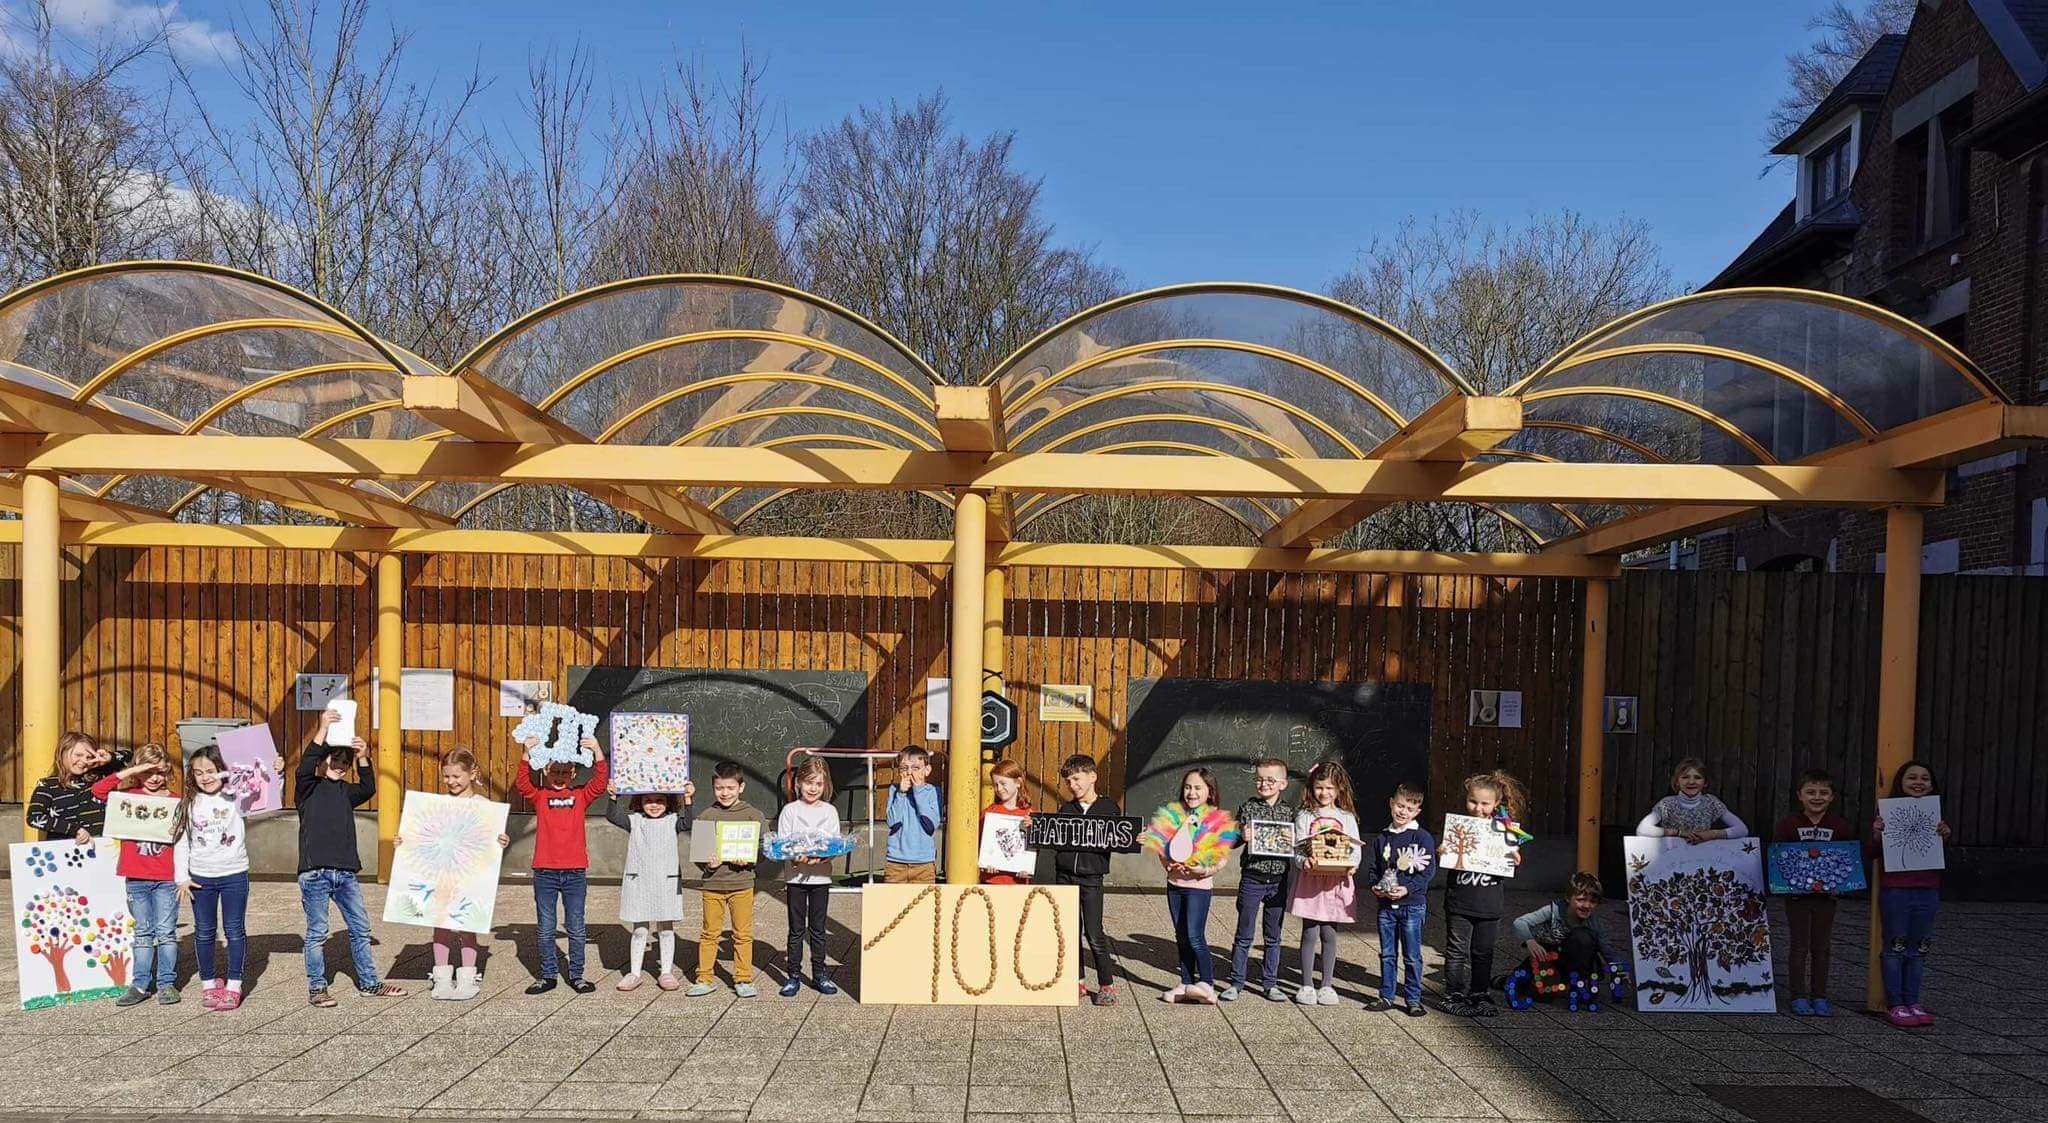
85, 162
1842, 35
936, 237
1494, 301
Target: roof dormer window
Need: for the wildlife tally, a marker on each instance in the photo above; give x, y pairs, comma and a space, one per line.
1827, 173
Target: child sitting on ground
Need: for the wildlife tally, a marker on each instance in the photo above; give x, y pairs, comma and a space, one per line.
728, 888
1562, 936
651, 887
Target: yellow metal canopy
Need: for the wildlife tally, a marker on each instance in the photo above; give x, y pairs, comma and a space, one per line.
1215, 372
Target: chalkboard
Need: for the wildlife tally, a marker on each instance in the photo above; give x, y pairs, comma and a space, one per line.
1378, 731
752, 718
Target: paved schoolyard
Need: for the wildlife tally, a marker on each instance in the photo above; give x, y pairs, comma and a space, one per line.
659, 1055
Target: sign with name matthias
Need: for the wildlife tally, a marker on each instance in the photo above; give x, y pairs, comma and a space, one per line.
1083, 832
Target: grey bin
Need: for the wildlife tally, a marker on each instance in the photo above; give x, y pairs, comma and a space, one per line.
198, 732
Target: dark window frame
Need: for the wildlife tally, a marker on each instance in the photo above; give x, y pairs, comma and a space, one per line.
1827, 172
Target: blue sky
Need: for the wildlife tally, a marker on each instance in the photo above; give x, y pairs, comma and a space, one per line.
1192, 141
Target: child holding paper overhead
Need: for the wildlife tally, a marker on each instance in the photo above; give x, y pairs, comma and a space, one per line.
327, 802
651, 890
728, 888
153, 875
561, 850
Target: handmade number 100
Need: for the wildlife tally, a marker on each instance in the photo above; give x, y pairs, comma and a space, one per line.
997, 945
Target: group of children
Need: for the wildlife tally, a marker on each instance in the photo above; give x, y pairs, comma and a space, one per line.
1319, 884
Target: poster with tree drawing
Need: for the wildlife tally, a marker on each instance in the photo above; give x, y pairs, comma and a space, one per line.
650, 753
1476, 845
1912, 835
73, 937
1696, 919
445, 872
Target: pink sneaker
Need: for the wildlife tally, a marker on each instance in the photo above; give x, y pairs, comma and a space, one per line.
228, 1000
212, 997
1901, 1016
1920, 1015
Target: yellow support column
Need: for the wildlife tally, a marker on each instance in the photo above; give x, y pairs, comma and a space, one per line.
42, 639
390, 729
963, 761
1897, 690
1592, 722
992, 662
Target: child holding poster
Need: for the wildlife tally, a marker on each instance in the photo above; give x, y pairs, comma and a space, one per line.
1474, 902
1008, 780
651, 889
1192, 838
457, 981
212, 860
561, 850
1907, 901
1811, 916
728, 889
152, 872
1262, 886
1084, 869
808, 881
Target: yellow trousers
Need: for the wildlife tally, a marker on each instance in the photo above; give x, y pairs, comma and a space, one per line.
739, 905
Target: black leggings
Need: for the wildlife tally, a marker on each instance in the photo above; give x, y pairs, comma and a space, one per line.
1092, 932
808, 906
1468, 954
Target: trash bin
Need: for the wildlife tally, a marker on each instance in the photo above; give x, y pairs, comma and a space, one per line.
196, 733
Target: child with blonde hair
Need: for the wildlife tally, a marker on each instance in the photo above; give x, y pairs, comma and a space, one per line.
1474, 902
1689, 812
152, 872
808, 881
62, 804
1327, 853
455, 953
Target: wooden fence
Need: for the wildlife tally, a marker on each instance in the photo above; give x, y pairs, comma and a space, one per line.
1760, 674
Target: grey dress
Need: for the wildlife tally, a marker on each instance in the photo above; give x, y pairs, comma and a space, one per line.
651, 888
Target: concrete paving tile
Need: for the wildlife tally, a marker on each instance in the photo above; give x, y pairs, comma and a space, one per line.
913, 1101
484, 1092
626, 1070
1329, 1077
1316, 1105
802, 1103
1010, 1099
1205, 1101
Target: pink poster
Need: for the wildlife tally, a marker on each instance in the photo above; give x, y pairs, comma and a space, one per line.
253, 772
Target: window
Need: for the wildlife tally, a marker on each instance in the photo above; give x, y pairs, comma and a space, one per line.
1934, 173
1827, 173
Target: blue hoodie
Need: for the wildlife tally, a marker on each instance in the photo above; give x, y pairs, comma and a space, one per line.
1387, 849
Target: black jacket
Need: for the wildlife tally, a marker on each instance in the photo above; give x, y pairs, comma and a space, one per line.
327, 814
1085, 863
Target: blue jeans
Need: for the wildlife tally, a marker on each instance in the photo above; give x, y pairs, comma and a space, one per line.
571, 886
1259, 904
154, 905
224, 900
1401, 934
1189, 909
1908, 927
316, 889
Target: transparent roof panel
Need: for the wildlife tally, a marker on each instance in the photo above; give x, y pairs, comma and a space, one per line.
652, 360
1314, 375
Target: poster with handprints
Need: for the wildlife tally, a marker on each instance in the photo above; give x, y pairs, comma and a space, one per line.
1698, 926
444, 873
73, 938
1912, 833
1003, 847
253, 775
650, 753
1476, 845
137, 817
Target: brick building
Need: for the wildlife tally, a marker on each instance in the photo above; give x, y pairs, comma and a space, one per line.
1922, 187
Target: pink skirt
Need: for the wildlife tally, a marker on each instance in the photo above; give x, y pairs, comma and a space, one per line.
1330, 897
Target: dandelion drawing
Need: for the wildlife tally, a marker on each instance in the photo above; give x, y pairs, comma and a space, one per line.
1912, 833
447, 859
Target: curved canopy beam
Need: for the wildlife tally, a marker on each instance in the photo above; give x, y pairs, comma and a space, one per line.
1310, 365
1733, 431
1269, 400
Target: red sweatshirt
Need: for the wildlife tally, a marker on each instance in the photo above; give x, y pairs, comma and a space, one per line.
139, 861
558, 842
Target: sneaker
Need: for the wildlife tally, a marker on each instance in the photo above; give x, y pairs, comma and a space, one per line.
1176, 994
1900, 1016
792, 986
1327, 997
1802, 1008
632, 981
1416, 1009
824, 984
1084, 991
668, 981
132, 997
1486, 1007
321, 998
1275, 992
699, 990
1203, 993
383, 990
1229, 993
1306, 995
1822, 1009
541, 986
744, 990
1459, 1006
167, 996
582, 986
1105, 996
1376, 1003
229, 1000
1920, 1015
209, 997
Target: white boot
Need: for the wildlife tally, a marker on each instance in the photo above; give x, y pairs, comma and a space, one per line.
467, 984
444, 984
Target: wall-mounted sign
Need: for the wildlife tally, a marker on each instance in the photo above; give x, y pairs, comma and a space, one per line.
311, 693
1496, 709
1621, 714
938, 711
1065, 702
518, 697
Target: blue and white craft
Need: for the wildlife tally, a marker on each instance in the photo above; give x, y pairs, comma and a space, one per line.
554, 734
1806, 868
806, 844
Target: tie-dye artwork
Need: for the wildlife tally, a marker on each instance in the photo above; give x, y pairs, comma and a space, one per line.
445, 871
253, 775
73, 938
650, 753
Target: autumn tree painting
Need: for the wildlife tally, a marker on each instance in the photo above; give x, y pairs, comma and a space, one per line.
1460, 842
63, 931
1699, 926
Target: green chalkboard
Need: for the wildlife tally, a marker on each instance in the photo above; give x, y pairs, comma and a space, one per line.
1379, 731
752, 718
